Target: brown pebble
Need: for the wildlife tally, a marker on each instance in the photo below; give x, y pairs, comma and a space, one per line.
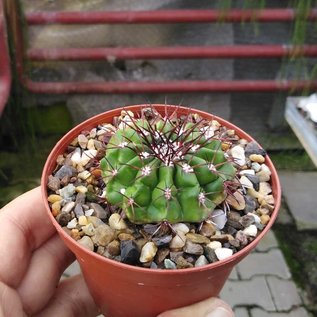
207, 229
265, 219
161, 255
181, 263
197, 238
114, 248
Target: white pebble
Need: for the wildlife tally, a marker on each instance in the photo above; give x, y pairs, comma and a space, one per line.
214, 245
91, 144
257, 219
116, 222
89, 212
148, 252
87, 156
76, 157
68, 206
237, 153
223, 253
249, 171
201, 261
178, 240
251, 231
219, 218
246, 182
180, 227
72, 224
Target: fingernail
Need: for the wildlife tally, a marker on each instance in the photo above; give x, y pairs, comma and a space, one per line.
219, 312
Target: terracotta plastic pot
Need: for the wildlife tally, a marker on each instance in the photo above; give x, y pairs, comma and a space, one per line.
124, 290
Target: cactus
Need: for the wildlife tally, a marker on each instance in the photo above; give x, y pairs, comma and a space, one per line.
166, 168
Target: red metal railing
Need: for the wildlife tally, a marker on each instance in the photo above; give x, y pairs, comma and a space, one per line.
159, 16
5, 74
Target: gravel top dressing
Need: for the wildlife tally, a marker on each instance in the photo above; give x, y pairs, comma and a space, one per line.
162, 192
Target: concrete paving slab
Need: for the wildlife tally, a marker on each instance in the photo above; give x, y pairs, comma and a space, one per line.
268, 242
241, 312
299, 190
298, 312
284, 292
234, 274
250, 293
270, 263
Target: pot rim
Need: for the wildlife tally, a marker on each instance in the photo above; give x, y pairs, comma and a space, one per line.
100, 118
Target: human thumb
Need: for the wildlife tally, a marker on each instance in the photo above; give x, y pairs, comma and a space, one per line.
211, 307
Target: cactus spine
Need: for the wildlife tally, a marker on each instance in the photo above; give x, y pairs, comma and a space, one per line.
165, 168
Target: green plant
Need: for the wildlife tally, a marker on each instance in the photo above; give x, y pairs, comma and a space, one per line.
167, 169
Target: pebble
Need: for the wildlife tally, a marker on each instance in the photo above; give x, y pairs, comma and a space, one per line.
238, 154
247, 172
219, 218
193, 248
84, 175
265, 188
82, 220
82, 141
72, 224
236, 200
91, 145
254, 180
245, 182
148, 252
257, 158
207, 229
76, 157
197, 238
210, 254
247, 220
67, 192
161, 255
93, 133
253, 148
63, 218
81, 189
89, 212
80, 198
201, 261
180, 227
125, 236
56, 208
178, 241
68, 207
99, 211
214, 245
75, 234
65, 171
170, 265
116, 222
221, 238
87, 156
223, 253
96, 222
53, 183
89, 229
256, 166
114, 248
87, 243
265, 219
129, 252
242, 238
251, 231
54, 198
182, 263
78, 210
103, 235
162, 241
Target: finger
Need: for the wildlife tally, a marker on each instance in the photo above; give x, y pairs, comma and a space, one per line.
72, 299
211, 307
45, 269
10, 304
24, 226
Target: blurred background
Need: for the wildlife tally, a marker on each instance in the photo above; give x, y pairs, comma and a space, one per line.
61, 72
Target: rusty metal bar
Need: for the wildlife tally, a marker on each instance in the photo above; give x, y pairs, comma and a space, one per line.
165, 16
168, 87
111, 54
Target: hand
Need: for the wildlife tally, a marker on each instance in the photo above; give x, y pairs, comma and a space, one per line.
211, 307
32, 260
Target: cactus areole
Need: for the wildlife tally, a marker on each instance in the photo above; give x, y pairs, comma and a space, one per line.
166, 168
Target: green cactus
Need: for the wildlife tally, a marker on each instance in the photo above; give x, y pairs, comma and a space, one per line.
165, 169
